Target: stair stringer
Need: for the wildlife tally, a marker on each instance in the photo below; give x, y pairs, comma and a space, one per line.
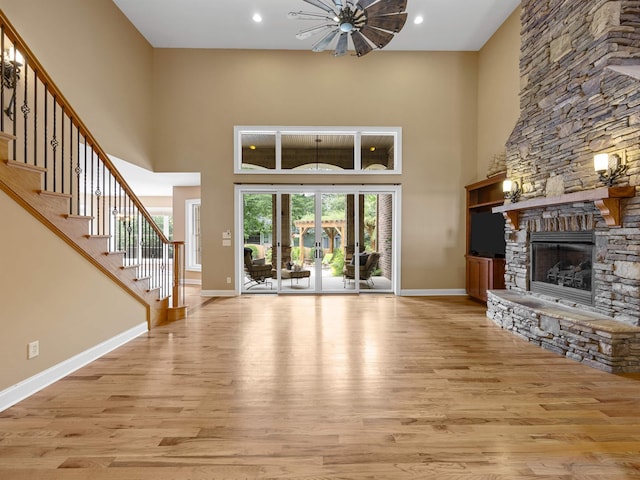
23, 183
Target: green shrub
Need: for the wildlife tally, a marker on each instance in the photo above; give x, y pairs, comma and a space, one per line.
337, 263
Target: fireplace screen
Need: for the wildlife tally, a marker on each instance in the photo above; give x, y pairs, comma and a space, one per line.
561, 265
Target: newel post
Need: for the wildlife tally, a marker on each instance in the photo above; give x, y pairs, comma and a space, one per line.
178, 297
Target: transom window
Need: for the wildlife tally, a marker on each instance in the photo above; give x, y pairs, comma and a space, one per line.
318, 150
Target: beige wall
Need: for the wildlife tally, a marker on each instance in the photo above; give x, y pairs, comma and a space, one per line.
498, 91
432, 96
180, 196
100, 62
50, 293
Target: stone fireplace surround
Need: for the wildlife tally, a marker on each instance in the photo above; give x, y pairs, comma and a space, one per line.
605, 334
580, 95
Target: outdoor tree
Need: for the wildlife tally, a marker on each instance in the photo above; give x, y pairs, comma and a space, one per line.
257, 214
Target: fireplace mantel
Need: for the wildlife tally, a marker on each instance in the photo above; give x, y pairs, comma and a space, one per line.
606, 199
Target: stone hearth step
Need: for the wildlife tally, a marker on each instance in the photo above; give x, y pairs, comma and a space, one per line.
591, 338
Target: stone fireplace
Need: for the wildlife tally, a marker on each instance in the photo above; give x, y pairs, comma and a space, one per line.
580, 95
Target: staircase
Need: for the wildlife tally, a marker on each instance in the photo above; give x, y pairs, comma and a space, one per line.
52, 166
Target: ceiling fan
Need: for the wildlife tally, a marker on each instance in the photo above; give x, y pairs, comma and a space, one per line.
370, 23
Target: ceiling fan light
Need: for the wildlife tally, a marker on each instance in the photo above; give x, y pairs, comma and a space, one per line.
346, 27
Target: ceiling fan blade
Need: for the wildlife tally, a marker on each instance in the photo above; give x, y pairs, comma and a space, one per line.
365, 3
378, 37
308, 16
386, 8
312, 31
322, 45
360, 43
341, 48
320, 4
393, 23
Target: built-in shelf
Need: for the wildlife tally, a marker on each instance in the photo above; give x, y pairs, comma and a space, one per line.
606, 199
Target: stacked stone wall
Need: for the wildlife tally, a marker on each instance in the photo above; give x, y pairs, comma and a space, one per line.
572, 107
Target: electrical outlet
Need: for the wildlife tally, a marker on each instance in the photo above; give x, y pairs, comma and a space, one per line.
228, 279
33, 349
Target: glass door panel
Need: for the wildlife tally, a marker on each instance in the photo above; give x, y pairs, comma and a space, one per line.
257, 251
333, 240
298, 240
369, 267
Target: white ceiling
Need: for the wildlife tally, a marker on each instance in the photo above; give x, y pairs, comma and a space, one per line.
456, 25
146, 183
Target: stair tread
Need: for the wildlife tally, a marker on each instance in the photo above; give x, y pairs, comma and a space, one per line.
25, 166
128, 267
55, 194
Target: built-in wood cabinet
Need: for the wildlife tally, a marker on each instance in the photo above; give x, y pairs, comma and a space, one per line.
485, 261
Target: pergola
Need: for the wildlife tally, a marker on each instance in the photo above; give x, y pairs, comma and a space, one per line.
330, 227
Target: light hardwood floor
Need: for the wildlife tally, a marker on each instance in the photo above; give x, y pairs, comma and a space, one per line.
333, 387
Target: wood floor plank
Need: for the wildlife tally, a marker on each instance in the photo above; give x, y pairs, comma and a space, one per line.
333, 387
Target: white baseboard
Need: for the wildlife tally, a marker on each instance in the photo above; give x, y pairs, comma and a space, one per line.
218, 293
18, 392
452, 292
190, 281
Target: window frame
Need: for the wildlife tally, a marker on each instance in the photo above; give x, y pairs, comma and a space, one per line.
357, 132
190, 263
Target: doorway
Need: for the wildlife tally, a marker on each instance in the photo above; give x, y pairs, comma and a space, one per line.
317, 239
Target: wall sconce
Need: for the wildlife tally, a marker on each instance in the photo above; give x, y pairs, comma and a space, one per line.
609, 166
511, 190
12, 60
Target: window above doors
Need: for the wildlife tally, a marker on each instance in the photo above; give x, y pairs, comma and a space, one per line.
318, 150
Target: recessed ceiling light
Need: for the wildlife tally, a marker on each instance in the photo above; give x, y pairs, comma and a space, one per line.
257, 17
418, 20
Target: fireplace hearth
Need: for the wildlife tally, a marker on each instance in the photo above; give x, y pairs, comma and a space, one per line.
561, 265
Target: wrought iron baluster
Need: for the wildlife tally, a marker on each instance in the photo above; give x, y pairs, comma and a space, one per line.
25, 110
78, 171
130, 237
98, 192
2, 76
91, 175
104, 193
62, 166
54, 145
35, 122
44, 140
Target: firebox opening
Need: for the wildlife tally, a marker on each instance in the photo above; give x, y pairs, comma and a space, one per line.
561, 265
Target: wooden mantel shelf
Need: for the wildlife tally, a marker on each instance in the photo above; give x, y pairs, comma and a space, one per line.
607, 199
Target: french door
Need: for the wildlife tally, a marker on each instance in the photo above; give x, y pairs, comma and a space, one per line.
317, 239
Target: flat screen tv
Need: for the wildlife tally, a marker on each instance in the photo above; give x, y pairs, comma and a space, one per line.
487, 235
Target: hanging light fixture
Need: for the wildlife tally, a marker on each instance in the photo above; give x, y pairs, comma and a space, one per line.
12, 61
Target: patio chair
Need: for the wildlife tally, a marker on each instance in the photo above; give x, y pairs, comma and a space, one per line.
367, 266
257, 271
